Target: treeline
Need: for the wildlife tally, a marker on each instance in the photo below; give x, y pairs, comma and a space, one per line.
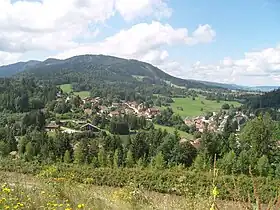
267, 100
24, 95
168, 118
257, 145
174, 180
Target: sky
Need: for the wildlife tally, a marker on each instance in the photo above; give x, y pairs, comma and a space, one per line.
233, 41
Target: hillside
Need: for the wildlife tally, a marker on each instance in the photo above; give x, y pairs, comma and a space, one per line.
97, 68
9, 70
267, 100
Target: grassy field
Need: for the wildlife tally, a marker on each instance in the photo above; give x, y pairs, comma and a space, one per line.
197, 107
20, 191
67, 88
172, 129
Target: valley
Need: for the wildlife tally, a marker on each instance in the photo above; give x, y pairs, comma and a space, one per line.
134, 138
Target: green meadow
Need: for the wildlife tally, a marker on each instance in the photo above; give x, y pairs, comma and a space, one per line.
199, 106
172, 129
67, 88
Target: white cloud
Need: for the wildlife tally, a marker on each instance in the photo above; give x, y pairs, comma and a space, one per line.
204, 34
7, 58
53, 25
131, 9
256, 68
143, 41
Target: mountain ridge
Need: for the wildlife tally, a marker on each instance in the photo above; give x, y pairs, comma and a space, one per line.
124, 67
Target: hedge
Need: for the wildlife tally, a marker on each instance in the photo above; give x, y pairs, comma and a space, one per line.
176, 181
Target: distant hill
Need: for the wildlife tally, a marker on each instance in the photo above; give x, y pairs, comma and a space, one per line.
101, 68
267, 100
97, 68
9, 70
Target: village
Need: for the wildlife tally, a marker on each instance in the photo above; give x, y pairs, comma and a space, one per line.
214, 123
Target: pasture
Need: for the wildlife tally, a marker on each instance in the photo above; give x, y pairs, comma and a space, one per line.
67, 88
187, 107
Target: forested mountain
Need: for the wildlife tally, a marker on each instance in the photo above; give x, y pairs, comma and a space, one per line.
9, 70
89, 69
267, 100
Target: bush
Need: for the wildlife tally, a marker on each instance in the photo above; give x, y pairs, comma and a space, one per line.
174, 180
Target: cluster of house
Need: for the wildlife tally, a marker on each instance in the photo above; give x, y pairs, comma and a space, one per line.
213, 123
201, 123
54, 126
124, 107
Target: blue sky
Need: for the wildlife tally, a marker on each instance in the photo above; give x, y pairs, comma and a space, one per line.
222, 41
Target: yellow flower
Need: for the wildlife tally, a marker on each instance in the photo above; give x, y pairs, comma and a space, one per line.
6, 190
68, 209
20, 204
80, 206
215, 192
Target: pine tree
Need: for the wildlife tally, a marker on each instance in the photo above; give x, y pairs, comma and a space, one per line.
67, 157
116, 159
129, 159
109, 162
94, 162
140, 163
79, 156
263, 166
101, 157
158, 161
29, 151
4, 149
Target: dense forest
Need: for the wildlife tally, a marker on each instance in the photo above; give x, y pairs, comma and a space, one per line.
28, 105
99, 69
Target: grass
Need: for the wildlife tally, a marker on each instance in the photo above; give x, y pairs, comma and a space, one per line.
172, 129
197, 107
30, 192
67, 88
82, 94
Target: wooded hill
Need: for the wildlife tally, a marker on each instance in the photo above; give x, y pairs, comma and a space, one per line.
100, 69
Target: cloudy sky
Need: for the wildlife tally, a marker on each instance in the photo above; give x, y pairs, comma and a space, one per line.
233, 41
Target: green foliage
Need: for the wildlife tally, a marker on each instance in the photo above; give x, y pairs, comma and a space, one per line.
67, 157
129, 161
174, 180
158, 161
116, 161
79, 157
101, 157
29, 151
4, 149
258, 136
263, 166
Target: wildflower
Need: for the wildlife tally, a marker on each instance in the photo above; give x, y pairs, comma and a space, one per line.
80, 206
20, 204
215, 192
68, 209
6, 190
